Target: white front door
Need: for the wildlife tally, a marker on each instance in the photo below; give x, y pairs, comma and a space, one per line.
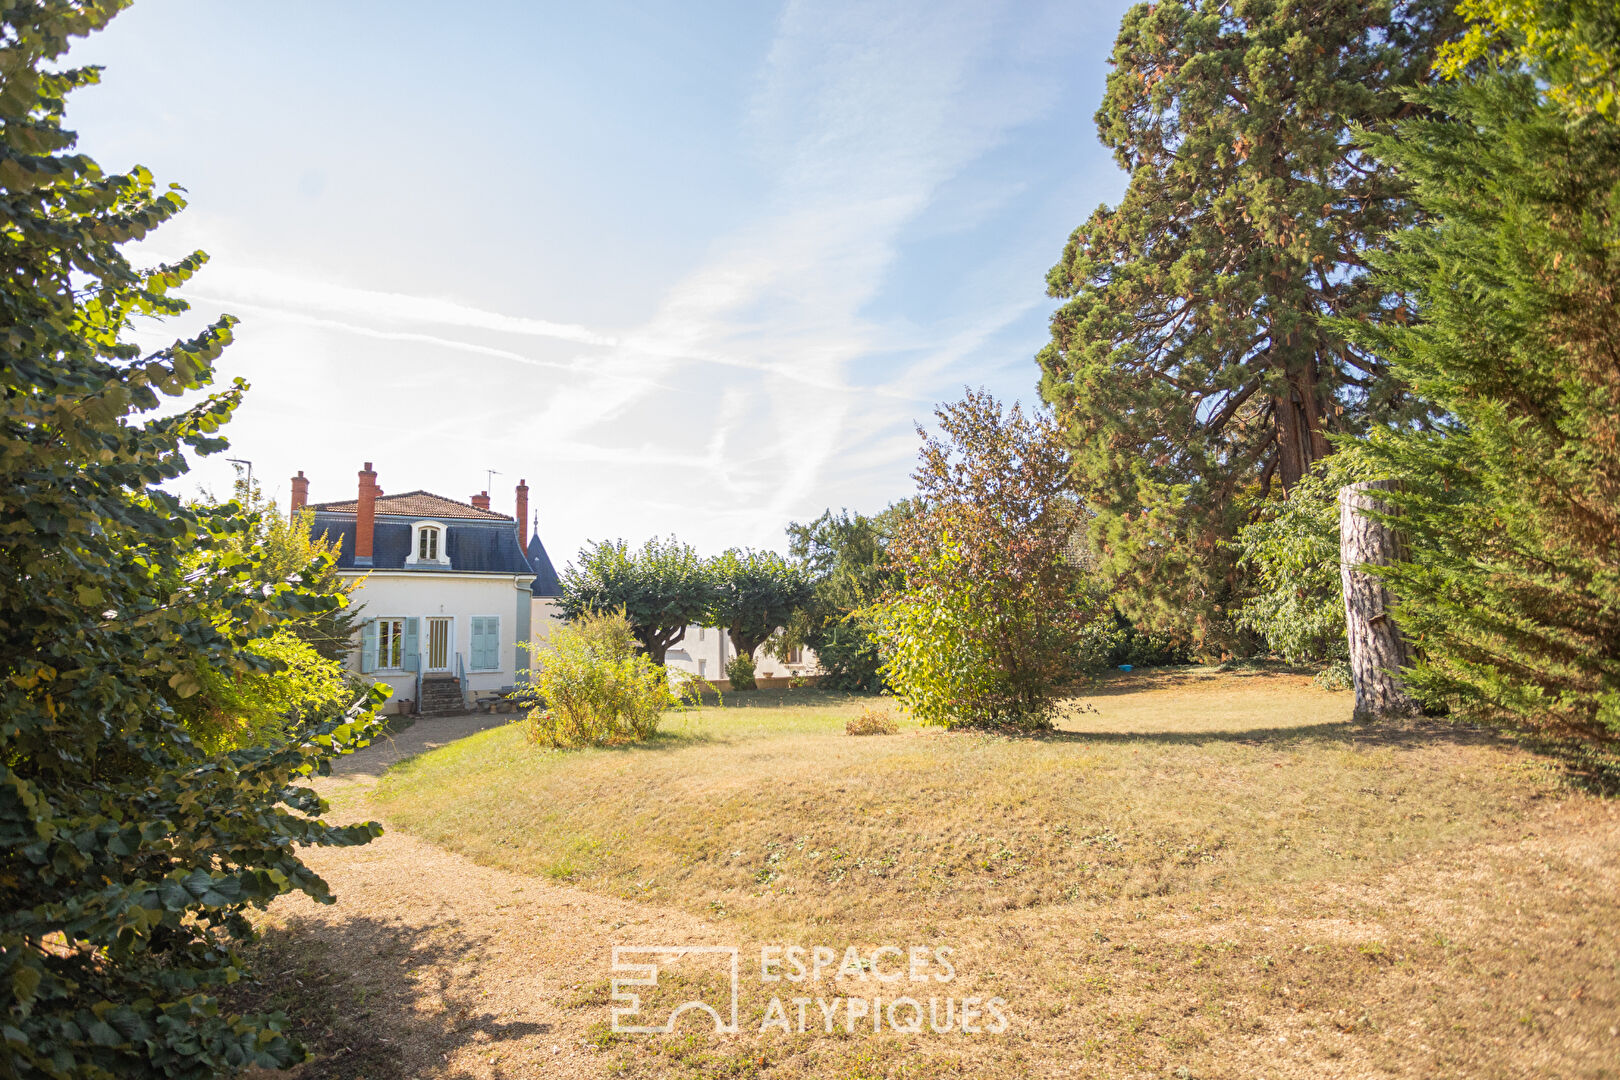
438, 644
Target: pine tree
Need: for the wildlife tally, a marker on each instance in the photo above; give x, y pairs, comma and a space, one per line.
1512, 506
128, 856
1189, 359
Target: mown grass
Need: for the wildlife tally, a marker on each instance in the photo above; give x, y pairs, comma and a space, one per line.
1196, 869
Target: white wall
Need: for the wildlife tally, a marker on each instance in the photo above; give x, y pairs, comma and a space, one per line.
705, 650
383, 593
541, 619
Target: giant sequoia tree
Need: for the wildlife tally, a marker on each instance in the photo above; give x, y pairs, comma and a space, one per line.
1190, 360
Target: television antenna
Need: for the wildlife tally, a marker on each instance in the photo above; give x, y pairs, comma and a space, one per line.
489, 478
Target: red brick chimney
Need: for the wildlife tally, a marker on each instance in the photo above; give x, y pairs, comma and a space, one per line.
300, 494
481, 500
365, 516
523, 513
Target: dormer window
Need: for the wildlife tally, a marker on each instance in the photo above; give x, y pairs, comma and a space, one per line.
427, 545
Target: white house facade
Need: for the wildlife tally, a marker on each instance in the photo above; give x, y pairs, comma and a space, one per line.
443, 589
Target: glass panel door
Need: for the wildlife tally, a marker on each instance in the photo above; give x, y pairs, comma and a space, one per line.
438, 645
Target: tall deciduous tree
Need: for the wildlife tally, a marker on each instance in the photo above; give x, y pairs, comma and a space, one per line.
128, 855
1189, 358
756, 594
1512, 506
661, 587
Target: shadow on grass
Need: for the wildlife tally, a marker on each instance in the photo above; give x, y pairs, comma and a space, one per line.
1404, 734
351, 997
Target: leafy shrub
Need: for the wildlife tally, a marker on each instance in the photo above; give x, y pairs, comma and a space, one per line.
740, 670
598, 688
989, 625
871, 722
1336, 676
1293, 549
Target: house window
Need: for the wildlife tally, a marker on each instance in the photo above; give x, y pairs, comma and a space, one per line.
794, 656
703, 669
427, 545
390, 643
700, 633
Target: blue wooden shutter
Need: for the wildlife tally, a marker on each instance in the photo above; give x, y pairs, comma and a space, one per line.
486, 642
410, 644
368, 646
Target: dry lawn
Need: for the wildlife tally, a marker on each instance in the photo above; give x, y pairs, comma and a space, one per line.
1203, 874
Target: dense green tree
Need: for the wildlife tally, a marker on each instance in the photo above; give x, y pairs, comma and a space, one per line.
1189, 358
756, 595
661, 587
1512, 506
990, 622
847, 557
284, 545
128, 855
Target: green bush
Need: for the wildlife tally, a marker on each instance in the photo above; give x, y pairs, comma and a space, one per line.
989, 625
740, 671
1292, 549
598, 688
236, 709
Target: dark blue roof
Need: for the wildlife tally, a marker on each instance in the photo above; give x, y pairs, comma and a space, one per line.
473, 547
545, 575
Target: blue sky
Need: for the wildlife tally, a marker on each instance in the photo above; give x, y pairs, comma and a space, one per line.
685, 268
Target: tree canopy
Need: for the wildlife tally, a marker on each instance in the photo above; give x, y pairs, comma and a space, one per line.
128, 854
756, 594
846, 556
1190, 359
661, 587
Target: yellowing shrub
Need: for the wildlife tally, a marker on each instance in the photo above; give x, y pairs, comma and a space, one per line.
871, 722
597, 688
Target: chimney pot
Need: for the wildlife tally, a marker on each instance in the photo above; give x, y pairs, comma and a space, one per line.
481, 500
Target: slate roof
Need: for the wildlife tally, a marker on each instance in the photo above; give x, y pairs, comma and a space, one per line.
475, 547
545, 575
416, 505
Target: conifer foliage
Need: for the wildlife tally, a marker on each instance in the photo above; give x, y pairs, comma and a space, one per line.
1513, 505
1189, 358
127, 855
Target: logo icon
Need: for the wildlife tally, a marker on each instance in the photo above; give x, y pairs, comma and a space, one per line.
645, 974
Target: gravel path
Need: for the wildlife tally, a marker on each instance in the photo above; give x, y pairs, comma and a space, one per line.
433, 966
